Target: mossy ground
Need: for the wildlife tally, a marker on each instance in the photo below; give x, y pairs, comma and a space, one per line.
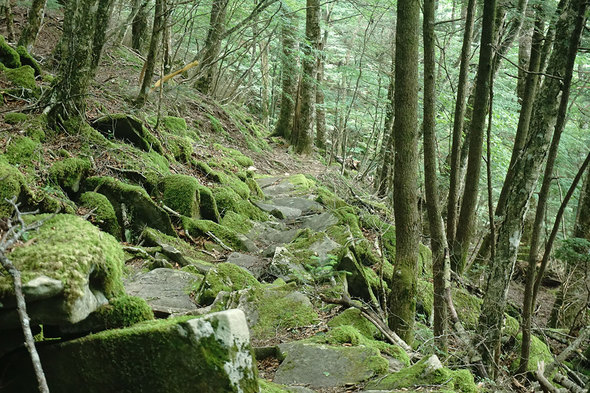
224, 277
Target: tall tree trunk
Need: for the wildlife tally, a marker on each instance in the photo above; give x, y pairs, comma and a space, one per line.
7, 11
139, 26
320, 120
402, 299
437, 235
384, 176
150, 62
458, 121
288, 75
212, 47
301, 138
460, 246
84, 35
34, 21
546, 111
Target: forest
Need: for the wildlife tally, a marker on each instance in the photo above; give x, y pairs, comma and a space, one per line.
295, 195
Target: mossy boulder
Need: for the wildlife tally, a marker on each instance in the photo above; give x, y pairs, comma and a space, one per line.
21, 151
15, 117
205, 228
73, 252
236, 222
208, 205
353, 317
468, 307
104, 215
181, 194
539, 352
11, 183
131, 204
228, 200
27, 59
224, 277
210, 354
128, 129
69, 173
124, 311
23, 77
428, 371
8, 56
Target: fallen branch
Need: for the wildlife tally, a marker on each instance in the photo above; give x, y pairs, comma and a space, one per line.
219, 241
545, 384
173, 74
12, 235
583, 336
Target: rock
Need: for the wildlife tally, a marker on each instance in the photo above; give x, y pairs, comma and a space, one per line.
253, 264
274, 186
321, 366
320, 222
211, 354
306, 206
267, 235
353, 317
323, 248
224, 277
129, 129
283, 267
165, 290
280, 212
70, 251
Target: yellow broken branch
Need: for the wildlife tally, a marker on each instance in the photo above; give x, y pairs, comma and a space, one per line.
173, 74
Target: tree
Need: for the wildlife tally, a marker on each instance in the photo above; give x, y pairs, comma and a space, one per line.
476, 130
150, 62
546, 111
288, 74
301, 137
438, 239
6, 7
139, 25
402, 299
206, 71
34, 21
84, 35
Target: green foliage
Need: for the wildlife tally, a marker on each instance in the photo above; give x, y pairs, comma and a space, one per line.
574, 250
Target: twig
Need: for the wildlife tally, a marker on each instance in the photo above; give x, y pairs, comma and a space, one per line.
14, 233
584, 334
545, 384
218, 241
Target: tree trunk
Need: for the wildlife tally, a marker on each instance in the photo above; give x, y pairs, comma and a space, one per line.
476, 131
34, 21
402, 300
288, 75
206, 70
139, 26
301, 138
85, 24
547, 109
320, 120
150, 62
459, 116
438, 239
384, 176
7, 11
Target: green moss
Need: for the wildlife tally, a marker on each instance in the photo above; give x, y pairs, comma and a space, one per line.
228, 200
271, 387
216, 125
174, 125
236, 222
180, 147
69, 173
539, 352
511, 326
104, 215
224, 277
280, 309
69, 249
21, 151
21, 77
8, 56
27, 59
124, 311
457, 381
180, 193
152, 237
15, 117
468, 307
203, 227
11, 183
329, 199
208, 205
206, 170
235, 155
255, 190
425, 298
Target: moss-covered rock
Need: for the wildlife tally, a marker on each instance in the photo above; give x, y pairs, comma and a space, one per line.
468, 307
74, 252
69, 173
208, 205
539, 352
104, 215
180, 193
203, 227
428, 371
236, 222
27, 59
129, 129
132, 204
15, 117
152, 237
21, 151
353, 317
20, 77
211, 354
123, 311
228, 200
224, 277
11, 184
180, 147
235, 155
8, 56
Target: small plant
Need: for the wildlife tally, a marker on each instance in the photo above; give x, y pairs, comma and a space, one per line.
323, 270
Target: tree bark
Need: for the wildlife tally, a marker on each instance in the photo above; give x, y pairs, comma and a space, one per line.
34, 21
85, 24
402, 299
320, 121
385, 176
527, 170
301, 138
139, 26
288, 75
7, 11
150, 62
458, 121
207, 73
476, 130
438, 239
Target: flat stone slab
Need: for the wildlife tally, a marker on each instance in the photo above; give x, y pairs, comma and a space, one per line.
323, 248
279, 211
266, 235
319, 366
320, 222
254, 265
307, 206
165, 290
275, 186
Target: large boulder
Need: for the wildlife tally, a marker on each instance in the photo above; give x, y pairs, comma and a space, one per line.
211, 354
69, 268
